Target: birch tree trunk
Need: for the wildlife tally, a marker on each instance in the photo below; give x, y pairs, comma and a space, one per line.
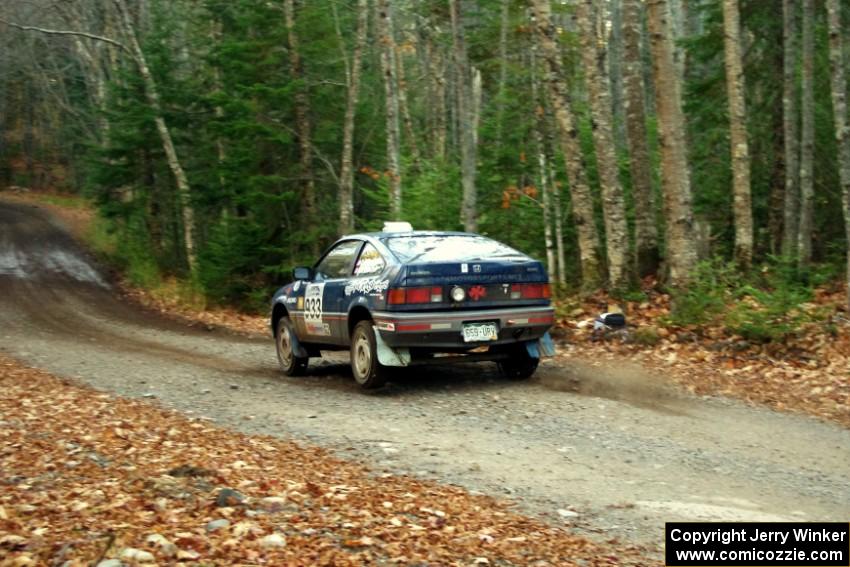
543, 168
152, 95
807, 141
582, 202
221, 148
776, 200
646, 232
465, 104
387, 45
409, 130
791, 218
302, 121
839, 110
95, 75
677, 20
614, 41
742, 202
546, 194
675, 177
436, 73
599, 98
551, 148
346, 174
503, 69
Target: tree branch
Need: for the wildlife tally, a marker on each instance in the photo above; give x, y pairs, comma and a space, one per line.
66, 32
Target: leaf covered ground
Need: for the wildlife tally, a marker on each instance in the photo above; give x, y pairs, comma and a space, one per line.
808, 371
87, 477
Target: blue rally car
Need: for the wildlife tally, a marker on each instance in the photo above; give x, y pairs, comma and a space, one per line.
402, 297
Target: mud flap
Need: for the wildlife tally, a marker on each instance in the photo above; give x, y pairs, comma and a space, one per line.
389, 356
297, 349
543, 347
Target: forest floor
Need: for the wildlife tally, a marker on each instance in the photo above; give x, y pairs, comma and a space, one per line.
598, 445
807, 372
107, 477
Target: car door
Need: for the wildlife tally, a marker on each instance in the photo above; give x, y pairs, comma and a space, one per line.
324, 320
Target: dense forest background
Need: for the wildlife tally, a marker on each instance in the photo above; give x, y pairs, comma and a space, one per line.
225, 141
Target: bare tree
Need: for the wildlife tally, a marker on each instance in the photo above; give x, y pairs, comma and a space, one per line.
646, 233
807, 141
346, 175
613, 205
789, 129
839, 110
504, 21
776, 198
675, 176
435, 71
404, 108
152, 95
543, 168
218, 88
554, 184
467, 119
388, 69
742, 202
302, 119
558, 93
91, 56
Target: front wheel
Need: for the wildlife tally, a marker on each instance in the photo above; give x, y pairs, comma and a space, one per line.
367, 371
290, 364
520, 365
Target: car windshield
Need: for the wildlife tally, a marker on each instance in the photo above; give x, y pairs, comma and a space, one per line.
448, 247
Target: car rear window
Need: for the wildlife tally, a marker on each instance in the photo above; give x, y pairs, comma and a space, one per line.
447, 248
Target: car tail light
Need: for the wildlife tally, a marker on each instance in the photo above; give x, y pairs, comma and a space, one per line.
396, 296
419, 295
531, 291
408, 295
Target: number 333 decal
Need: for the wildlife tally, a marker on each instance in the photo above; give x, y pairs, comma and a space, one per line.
313, 309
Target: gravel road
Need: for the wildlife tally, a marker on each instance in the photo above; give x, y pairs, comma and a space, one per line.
616, 464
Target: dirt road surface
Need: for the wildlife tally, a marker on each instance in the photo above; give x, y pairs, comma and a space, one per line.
615, 459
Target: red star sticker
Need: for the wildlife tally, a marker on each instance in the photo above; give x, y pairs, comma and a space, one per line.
477, 292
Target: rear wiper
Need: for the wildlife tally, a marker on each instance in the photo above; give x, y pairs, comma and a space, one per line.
409, 260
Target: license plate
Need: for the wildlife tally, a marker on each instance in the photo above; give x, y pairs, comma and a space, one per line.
477, 332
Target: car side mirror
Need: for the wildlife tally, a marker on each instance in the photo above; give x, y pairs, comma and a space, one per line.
302, 273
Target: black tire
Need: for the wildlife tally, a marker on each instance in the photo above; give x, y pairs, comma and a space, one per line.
367, 371
520, 365
290, 364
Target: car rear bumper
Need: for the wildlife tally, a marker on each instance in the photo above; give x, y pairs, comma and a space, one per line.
444, 329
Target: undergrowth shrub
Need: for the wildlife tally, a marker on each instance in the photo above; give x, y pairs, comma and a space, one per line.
768, 304
707, 295
127, 248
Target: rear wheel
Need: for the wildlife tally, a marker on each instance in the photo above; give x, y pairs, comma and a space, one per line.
367, 371
290, 364
520, 365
